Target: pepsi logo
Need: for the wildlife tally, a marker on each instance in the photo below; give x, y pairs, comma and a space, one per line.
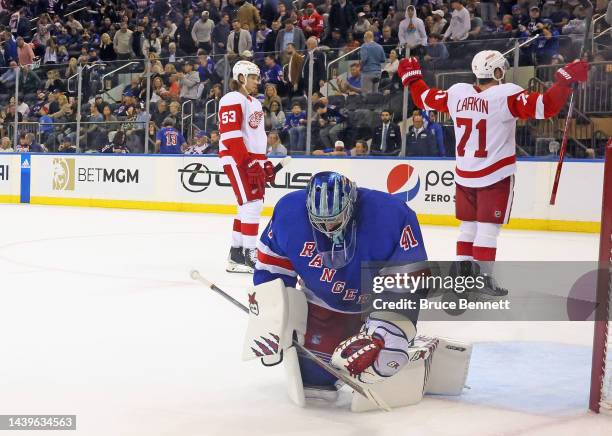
403, 182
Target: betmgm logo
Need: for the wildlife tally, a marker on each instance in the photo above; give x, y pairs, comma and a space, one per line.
63, 174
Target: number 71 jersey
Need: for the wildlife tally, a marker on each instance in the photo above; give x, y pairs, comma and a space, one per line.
485, 130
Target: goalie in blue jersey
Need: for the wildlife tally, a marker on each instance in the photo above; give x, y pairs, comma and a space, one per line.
317, 241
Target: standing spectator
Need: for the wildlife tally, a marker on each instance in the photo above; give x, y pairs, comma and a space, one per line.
220, 34
311, 22
152, 44
239, 40
331, 123
10, 47
275, 147
189, 82
436, 129
122, 42
387, 140
281, 13
25, 54
475, 24
272, 73
372, 57
420, 140
342, 16
361, 26
290, 34
201, 32
459, 26
412, 33
107, 52
488, 10
387, 40
292, 73
138, 39
269, 44
260, 36
295, 126
183, 37
249, 15
439, 22
168, 139
436, 51
318, 69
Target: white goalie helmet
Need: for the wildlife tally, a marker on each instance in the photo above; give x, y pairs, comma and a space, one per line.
486, 62
245, 68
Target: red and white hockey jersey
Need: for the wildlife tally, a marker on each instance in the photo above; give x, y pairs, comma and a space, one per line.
241, 127
485, 124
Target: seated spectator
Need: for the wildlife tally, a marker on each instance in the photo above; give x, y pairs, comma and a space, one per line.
272, 73
360, 149
275, 147
436, 51
6, 146
28, 145
116, 145
214, 139
387, 139
67, 146
420, 141
338, 150
275, 117
352, 84
331, 122
295, 126
201, 145
311, 22
270, 95
335, 41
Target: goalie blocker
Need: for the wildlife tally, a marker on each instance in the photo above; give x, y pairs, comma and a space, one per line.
278, 314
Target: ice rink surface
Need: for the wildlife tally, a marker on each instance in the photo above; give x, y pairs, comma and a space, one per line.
99, 318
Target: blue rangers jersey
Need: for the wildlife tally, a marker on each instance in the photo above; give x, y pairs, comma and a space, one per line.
387, 230
171, 140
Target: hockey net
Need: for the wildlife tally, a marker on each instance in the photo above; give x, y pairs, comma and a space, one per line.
601, 376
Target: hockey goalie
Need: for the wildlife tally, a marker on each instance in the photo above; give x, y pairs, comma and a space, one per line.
308, 286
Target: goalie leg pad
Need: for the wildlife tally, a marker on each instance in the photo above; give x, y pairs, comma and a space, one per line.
275, 313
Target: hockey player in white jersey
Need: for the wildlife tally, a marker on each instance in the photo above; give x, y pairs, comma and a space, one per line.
242, 149
484, 117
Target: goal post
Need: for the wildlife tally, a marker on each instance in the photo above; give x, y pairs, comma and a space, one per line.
601, 376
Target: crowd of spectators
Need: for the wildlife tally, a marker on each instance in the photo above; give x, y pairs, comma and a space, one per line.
186, 40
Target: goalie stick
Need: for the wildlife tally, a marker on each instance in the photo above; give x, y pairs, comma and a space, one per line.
360, 389
583, 50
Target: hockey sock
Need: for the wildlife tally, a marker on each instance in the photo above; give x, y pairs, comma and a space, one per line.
237, 233
467, 232
249, 214
485, 246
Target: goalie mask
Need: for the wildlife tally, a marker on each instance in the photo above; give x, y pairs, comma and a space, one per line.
330, 202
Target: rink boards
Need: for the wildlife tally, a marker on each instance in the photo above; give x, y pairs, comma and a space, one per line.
197, 184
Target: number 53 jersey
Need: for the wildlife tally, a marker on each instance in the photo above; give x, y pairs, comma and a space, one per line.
241, 127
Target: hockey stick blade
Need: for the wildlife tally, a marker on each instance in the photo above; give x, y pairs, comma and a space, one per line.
359, 388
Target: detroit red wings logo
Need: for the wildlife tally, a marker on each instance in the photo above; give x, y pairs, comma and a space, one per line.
255, 119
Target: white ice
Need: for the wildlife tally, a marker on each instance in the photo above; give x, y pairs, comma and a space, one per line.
99, 318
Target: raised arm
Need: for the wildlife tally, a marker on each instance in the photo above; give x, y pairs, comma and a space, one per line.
409, 71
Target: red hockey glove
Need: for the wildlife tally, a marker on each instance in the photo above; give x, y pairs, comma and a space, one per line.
269, 170
255, 175
577, 71
409, 71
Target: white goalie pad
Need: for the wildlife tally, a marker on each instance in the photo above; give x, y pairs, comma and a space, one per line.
275, 312
437, 366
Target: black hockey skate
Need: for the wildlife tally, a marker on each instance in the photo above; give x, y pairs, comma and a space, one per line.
236, 261
250, 257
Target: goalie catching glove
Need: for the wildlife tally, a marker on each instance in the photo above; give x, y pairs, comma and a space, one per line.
378, 351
